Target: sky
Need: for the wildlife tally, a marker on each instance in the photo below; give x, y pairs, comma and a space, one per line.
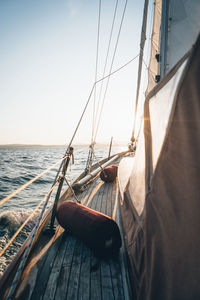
47, 70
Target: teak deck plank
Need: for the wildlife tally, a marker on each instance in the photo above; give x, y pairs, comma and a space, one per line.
50, 290
64, 275
84, 281
43, 274
95, 275
114, 264
106, 281
85, 195
73, 283
71, 271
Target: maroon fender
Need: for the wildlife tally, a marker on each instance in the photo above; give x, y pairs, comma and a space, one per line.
109, 173
98, 231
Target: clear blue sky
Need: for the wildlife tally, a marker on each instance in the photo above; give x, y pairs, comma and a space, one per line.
47, 68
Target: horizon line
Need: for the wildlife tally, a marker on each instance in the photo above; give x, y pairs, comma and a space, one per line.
58, 145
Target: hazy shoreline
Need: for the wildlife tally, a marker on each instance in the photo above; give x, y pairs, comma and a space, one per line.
57, 146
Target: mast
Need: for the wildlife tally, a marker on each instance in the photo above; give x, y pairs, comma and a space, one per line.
142, 43
164, 37
154, 61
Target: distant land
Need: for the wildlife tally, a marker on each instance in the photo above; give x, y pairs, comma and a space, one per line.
98, 145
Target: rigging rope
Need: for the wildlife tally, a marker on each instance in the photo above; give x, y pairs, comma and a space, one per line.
29, 182
120, 68
95, 111
71, 189
142, 43
88, 100
111, 66
90, 158
28, 248
79, 122
96, 67
108, 51
66, 154
23, 225
149, 70
100, 166
18, 273
22, 263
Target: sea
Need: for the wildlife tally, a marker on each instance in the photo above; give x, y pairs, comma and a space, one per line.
18, 165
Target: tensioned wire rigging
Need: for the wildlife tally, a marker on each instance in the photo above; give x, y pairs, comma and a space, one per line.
47, 197
112, 63
63, 160
134, 138
97, 114
96, 110
21, 188
142, 43
26, 221
84, 110
29, 246
141, 60
18, 190
68, 148
90, 153
106, 62
96, 67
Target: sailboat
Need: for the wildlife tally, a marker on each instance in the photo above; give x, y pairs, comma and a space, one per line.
154, 200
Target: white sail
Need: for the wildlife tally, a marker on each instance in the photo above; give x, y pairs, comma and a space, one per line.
153, 70
179, 29
160, 207
183, 29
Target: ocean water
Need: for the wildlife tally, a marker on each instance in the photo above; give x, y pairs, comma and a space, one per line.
19, 165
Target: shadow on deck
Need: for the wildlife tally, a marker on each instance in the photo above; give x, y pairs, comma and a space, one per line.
66, 269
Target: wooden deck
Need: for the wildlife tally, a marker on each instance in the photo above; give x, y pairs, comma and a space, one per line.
64, 268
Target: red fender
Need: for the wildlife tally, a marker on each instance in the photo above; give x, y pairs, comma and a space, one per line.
98, 231
109, 173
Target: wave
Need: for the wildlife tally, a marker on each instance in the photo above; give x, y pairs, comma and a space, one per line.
18, 181
17, 167
10, 221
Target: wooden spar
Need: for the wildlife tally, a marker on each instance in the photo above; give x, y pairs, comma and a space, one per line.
91, 175
6, 279
111, 140
142, 43
164, 37
42, 250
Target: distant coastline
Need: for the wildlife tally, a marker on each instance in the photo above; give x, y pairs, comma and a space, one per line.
58, 146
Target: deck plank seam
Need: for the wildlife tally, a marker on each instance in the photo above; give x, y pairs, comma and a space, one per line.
85, 249
113, 190
88, 191
65, 242
75, 245
92, 258
72, 279
109, 198
38, 280
73, 241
